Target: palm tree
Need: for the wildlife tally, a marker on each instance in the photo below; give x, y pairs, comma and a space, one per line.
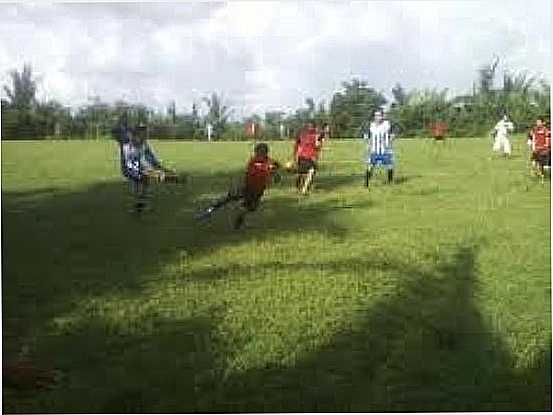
21, 94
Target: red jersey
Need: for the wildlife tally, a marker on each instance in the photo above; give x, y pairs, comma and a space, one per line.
541, 137
259, 173
307, 145
439, 129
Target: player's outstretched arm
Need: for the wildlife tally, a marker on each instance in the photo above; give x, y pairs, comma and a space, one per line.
151, 158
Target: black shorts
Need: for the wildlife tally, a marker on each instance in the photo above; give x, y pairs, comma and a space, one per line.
542, 157
251, 199
304, 165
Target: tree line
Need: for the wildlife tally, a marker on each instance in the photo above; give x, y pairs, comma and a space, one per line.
412, 112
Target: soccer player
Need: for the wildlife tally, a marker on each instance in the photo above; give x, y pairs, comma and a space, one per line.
501, 136
380, 152
139, 164
541, 146
259, 172
439, 130
306, 153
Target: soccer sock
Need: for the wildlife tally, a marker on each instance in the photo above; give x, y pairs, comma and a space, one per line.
390, 175
368, 176
307, 180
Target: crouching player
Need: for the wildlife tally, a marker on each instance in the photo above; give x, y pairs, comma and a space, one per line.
140, 165
306, 153
540, 141
380, 151
260, 171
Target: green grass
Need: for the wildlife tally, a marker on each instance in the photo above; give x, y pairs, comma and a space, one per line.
429, 295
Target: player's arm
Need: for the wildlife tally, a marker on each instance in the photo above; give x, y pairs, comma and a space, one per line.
151, 158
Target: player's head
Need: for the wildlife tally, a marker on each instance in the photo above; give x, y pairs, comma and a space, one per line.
378, 116
261, 150
539, 121
505, 117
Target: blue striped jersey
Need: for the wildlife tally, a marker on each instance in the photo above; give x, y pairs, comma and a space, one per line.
380, 138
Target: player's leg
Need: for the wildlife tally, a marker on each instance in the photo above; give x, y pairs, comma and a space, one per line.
506, 147
139, 190
251, 203
542, 162
368, 174
389, 161
370, 169
303, 171
231, 196
308, 177
496, 143
299, 181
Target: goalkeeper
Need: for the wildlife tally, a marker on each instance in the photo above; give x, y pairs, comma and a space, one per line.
259, 172
140, 165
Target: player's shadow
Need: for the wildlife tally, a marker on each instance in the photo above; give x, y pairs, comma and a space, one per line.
425, 348
401, 179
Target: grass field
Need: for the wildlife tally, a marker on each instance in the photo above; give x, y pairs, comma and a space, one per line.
429, 295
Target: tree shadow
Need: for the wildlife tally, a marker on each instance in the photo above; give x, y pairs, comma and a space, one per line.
63, 246
426, 348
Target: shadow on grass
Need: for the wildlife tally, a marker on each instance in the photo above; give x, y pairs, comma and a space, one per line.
60, 247
426, 348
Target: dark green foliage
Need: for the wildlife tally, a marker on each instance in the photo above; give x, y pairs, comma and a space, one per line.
352, 107
412, 113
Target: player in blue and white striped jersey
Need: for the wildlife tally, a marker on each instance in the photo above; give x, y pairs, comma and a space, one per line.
379, 152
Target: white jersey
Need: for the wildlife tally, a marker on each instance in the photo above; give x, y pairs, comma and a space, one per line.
381, 138
502, 128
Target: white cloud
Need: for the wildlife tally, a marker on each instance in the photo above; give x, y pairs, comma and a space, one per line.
266, 55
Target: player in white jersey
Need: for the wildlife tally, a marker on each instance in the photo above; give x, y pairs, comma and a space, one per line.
501, 136
380, 152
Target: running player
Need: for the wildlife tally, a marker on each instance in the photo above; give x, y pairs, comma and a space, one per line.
306, 153
541, 147
501, 136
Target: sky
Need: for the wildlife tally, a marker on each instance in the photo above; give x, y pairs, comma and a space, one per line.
264, 56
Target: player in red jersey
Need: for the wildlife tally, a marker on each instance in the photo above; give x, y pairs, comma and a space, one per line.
540, 141
260, 171
439, 130
306, 153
